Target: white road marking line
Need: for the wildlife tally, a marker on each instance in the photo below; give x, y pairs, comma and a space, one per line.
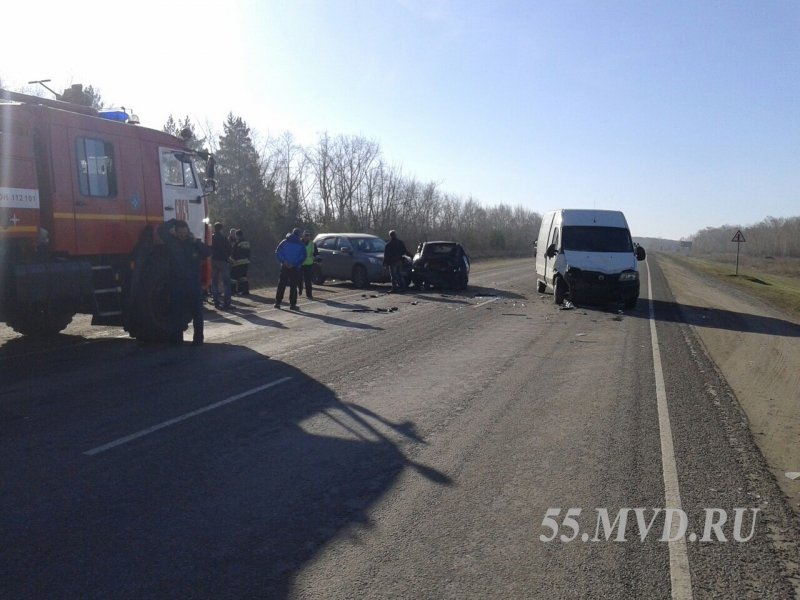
189, 415
680, 575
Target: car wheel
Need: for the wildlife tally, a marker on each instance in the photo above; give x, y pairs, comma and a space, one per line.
559, 290
317, 277
360, 278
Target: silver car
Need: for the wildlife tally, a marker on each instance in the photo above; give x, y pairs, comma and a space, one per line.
357, 257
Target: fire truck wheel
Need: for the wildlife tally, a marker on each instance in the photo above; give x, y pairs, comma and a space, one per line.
152, 302
40, 322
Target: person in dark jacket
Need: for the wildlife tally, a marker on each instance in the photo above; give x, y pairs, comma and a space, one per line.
185, 255
393, 258
240, 263
308, 265
291, 253
220, 268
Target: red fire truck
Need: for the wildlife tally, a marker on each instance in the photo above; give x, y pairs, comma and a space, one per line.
81, 195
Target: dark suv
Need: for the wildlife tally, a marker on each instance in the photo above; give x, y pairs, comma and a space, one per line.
357, 257
441, 264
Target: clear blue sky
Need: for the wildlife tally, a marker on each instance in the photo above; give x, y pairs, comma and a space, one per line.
682, 114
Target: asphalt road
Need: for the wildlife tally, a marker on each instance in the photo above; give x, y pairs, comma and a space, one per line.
341, 452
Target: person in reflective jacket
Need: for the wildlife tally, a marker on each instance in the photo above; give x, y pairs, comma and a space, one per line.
308, 265
240, 263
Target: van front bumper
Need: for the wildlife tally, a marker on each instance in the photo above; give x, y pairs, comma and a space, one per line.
593, 285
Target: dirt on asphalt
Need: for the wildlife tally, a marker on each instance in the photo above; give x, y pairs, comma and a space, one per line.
757, 349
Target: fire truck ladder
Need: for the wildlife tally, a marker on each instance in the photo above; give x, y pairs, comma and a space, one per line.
107, 296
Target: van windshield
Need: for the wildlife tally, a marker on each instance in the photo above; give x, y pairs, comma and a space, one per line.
596, 239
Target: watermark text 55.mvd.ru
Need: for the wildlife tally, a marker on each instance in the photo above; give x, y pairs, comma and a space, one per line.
660, 524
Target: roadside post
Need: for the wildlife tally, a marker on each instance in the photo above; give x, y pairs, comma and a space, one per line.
739, 239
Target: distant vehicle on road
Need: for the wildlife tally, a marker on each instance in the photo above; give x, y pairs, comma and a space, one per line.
441, 264
357, 257
587, 255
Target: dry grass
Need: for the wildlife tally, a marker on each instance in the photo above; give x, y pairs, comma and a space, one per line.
776, 281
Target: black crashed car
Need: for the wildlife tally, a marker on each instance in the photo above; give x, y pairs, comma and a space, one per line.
440, 264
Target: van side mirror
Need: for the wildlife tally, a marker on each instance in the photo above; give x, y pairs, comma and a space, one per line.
535, 247
551, 251
640, 253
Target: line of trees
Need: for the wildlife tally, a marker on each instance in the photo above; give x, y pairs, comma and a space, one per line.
344, 183
776, 237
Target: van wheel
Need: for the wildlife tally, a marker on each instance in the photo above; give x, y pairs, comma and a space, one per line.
360, 278
559, 290
541, 287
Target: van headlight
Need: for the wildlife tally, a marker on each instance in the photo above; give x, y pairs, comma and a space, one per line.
629, 276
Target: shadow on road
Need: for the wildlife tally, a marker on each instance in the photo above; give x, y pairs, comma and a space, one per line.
247, 314
337, 321
477, 291
230, 503
704, 316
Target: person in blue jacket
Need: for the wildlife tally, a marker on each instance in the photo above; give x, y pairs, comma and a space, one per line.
291, 253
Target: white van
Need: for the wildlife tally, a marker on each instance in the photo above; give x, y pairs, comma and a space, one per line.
587, 255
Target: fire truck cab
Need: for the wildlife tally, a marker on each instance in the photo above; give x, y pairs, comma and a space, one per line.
81, 194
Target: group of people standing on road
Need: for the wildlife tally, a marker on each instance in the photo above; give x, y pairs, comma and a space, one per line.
230, 260
296, 254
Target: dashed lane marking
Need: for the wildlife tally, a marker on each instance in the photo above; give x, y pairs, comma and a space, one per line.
184, 417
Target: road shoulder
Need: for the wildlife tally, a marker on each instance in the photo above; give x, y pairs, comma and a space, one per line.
757, 349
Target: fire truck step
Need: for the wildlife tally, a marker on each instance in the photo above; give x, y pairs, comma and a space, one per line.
107, 296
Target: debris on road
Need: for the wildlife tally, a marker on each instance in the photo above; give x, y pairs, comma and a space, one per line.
568, 305
793, 475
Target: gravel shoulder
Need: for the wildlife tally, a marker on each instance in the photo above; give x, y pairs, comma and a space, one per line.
757, 349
